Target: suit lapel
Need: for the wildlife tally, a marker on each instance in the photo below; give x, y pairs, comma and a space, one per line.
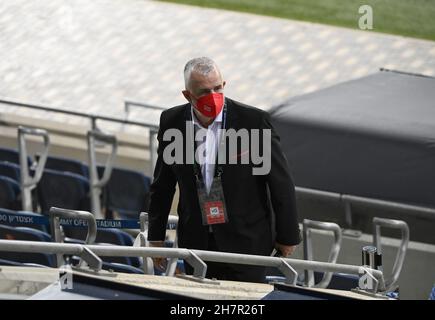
231, 115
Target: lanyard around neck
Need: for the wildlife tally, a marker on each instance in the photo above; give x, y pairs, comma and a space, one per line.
218, 168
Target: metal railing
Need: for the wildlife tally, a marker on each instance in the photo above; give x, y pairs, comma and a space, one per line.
308, 249
91, 259
28, 182
142, 241
96, 184
130, 103
391, 283
93, 118
349, 200
196, 258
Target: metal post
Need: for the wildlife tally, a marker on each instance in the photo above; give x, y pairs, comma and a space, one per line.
391, 283
95, 183
172, 263
308, 249
56, 213
28, 183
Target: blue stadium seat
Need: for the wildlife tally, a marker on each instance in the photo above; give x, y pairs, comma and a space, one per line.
127, 192
106, 236
63, 190
9, 193
339, 281
27, 234
119, 267
180, 267
67, 165
117, 237
12, 155
10, 170
43, 228
116, 267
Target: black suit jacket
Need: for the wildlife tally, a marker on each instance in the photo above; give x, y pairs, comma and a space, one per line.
249, 229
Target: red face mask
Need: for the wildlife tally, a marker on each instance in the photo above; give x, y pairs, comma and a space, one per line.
210, 105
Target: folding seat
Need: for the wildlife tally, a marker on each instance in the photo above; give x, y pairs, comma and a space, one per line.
9, 194
117, 237
67, 165
63, 190
12, 155
106, 236
10, 170
27, 234
127, 193
341, 281
119, 267
114, 266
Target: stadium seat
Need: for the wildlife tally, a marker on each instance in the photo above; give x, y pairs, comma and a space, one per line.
27, 234
43, 228
67, 165
119, 267
10, 170
339, 281
9, 193
126, 193
63, 190
116, 267
106, 236
117, 237
12, 155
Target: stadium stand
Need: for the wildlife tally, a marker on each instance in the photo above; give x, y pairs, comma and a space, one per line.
9, 193
29, 234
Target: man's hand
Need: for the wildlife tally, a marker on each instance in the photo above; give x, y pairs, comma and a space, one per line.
159, 263
284, 249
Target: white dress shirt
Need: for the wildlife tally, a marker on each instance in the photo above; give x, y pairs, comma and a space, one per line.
212, 139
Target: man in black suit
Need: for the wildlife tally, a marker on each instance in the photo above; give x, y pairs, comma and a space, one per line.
255, 213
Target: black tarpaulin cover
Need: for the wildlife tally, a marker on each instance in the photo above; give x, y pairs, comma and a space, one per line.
372, 137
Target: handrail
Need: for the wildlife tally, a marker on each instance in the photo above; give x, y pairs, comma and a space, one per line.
311, 194
27, 182
56, 213
202, 255
92, 117
130, 103
80, 250
97, 184
390, 283
308, 249
153, 128
143, 242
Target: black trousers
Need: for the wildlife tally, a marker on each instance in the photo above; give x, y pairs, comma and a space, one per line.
226, 271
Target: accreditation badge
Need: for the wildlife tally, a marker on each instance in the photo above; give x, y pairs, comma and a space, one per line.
213, 204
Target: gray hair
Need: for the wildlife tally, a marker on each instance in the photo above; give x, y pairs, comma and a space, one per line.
202, 65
